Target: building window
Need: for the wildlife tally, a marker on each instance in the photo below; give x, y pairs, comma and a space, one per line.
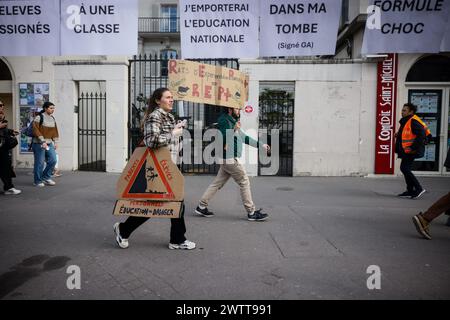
166, 55
434, 68
169, 18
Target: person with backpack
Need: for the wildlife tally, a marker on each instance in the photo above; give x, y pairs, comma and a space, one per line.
44, 144
230, 128
422, 220
7, 142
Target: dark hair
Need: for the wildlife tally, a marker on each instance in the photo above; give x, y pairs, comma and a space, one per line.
151, 102
227, 109
46, 105
411, 107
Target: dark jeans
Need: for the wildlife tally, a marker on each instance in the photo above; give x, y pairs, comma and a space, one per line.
6, 173
177, 229
412, 184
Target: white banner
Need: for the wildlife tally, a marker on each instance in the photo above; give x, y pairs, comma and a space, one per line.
445, 45
405, 26
219, 29
299, 27
68, 27
99, 27
29, 28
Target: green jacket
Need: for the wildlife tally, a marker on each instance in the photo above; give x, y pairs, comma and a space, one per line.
227, 122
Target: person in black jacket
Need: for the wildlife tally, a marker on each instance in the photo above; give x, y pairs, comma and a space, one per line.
410, 145
6, 171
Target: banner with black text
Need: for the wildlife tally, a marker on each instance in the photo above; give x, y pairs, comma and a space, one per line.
299, 27
405, 26
99, 27
68, 27
219, 29
29, 28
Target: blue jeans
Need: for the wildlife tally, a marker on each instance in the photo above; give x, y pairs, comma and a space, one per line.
40, 156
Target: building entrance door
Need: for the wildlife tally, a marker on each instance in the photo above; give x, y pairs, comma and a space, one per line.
428, 83
433, 109
276, 105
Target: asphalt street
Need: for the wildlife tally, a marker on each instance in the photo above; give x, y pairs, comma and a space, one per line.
322, 235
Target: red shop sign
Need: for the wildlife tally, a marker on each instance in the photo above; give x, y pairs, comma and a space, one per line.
385, 119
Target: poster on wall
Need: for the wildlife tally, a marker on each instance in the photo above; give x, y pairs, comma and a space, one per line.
31, 98
432, 125
426, 102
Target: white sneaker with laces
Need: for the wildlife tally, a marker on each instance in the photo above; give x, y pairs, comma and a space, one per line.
13, 191
49, 182
418, 195
121, 242
39, 185
186, 245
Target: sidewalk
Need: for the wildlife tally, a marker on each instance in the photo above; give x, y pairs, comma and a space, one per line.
321, 236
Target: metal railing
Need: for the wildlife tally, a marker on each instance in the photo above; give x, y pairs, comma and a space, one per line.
159, 25
277, 112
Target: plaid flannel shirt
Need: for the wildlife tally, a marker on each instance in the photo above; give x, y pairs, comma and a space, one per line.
158, 128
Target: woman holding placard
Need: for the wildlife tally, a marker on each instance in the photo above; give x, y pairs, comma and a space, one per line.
160, 130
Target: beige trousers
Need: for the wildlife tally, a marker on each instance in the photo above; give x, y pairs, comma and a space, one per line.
231, 168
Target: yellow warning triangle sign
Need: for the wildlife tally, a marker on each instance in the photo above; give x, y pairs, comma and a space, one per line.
150, 174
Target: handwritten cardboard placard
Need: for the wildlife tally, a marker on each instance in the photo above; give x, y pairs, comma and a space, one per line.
148, 209
204, 83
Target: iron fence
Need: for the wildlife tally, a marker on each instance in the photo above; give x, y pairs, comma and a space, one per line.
277, 112
92, 131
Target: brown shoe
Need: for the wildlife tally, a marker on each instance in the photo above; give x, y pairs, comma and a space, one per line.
421, 225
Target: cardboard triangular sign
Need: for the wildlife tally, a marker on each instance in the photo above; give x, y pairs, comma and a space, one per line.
150, 174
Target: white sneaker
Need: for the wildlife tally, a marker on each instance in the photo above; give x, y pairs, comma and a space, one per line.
49, 182
39, 185
13, 191
123, 243
418, 194
186, 245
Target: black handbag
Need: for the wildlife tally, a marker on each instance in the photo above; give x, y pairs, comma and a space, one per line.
9, 142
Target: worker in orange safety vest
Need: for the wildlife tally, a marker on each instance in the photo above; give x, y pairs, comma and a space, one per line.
410, 145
